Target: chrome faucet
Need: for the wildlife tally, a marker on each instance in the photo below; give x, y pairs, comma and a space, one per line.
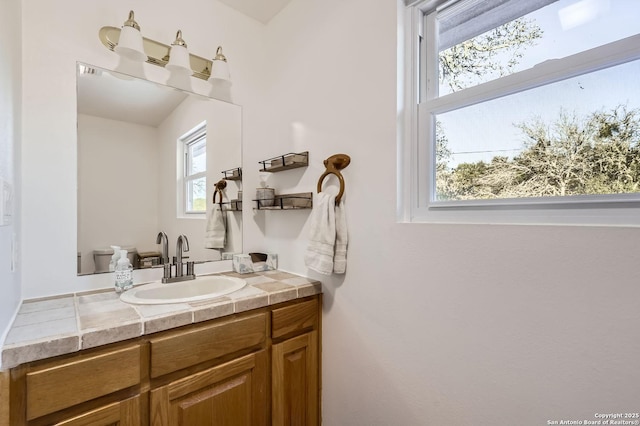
162, 239
182, 245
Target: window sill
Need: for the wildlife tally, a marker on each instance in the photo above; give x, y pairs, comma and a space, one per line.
625, 214
200, 216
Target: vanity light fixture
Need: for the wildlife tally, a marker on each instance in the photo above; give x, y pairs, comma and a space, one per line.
130, 41
179, 56
220, 68
122, 41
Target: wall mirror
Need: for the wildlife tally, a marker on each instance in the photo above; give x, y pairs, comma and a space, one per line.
131, 168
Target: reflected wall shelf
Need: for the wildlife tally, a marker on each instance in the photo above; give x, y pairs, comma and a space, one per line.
232, 206
298, 201
292, 160
232, 174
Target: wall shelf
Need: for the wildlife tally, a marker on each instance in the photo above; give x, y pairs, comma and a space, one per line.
292, 160
298, 201
232, 174
232, 206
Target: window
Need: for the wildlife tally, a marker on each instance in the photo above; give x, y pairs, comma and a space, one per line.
194, 181
527, 111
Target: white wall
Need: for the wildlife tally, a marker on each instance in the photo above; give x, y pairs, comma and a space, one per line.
10, 136
49, 107
436, 324
117, 186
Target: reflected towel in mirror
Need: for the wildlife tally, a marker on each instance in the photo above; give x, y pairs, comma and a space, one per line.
216, 232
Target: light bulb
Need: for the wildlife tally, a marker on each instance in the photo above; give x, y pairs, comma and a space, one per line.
130, 41
220, 69
179, 56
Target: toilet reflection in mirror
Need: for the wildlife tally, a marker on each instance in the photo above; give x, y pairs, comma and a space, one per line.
131, 167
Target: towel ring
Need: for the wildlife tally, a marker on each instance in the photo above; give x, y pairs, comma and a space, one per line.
219, 186
333, 165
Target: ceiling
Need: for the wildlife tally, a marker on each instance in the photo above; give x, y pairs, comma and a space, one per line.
261, 10
118, 97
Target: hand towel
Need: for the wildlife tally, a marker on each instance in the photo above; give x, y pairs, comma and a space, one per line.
322, 238
340, 250
216, 232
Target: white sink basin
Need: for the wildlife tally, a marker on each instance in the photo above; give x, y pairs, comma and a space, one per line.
203, 287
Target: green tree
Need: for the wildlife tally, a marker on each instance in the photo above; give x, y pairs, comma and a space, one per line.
615, 156
444, 184
596, 154
466, 64
495, 52
466, 179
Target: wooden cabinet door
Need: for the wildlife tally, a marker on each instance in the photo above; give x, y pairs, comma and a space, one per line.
231, 394
294, 392
123, 413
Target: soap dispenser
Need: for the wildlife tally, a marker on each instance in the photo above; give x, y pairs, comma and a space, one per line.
124, 273
114, 258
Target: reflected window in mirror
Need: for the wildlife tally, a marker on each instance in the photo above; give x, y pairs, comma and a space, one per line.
194, 183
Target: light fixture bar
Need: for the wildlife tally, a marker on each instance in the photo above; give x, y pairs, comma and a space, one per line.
157, 53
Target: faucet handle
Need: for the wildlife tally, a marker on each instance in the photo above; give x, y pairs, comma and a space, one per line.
167, 270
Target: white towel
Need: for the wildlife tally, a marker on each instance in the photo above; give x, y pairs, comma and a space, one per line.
216, 232
340, 255
319, 254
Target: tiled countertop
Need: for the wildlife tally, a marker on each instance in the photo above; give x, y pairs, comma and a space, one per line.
59, 325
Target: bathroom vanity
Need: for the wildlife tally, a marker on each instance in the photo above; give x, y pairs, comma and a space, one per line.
256, 364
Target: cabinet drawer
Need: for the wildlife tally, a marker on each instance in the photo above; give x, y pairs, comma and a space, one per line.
294, 318
121, 413
183, 349
61, 385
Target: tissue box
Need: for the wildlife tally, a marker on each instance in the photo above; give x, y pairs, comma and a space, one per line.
242, 263
227, 255
268, 265
272, 261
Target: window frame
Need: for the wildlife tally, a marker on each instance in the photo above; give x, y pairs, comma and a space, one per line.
418, 87
195, 135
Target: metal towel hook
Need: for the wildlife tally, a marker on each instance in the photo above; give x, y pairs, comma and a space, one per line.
219, 186
333, 165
